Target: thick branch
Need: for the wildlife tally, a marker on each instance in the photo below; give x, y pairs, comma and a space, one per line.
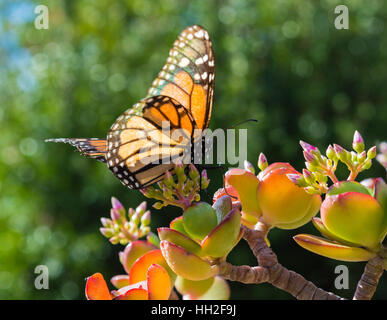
279, 276
244, 274
366, 287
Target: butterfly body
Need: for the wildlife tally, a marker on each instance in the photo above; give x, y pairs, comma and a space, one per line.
139, 147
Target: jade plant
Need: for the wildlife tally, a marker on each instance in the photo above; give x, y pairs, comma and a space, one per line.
188, 258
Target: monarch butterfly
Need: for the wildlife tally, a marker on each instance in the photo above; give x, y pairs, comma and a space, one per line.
181, 95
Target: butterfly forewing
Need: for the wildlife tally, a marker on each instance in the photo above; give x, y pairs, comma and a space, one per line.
188, 75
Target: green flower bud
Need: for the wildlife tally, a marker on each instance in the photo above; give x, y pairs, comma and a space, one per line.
371, 153
358, 142
262, 162
158, 205
331, 154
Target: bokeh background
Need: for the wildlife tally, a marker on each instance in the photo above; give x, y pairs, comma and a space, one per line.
281, 62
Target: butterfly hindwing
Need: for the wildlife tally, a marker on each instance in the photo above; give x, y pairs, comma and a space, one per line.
141, 148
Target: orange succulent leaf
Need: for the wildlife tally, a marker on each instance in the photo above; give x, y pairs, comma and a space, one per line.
315, 205
333, 250
192, 290
284, 205
274, 166
186, 264
138, 271
355, 217
96, 288
158, 283
223, 238
120, 281
245, 183
181, 240
133, 251
199, 219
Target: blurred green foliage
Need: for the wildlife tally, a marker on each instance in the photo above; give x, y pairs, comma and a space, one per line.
281, 62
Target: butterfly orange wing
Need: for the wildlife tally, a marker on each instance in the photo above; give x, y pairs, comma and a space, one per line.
141, 149
188, 76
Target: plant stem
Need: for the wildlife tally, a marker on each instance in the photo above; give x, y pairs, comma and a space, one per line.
279, 276
244, 274
366, 287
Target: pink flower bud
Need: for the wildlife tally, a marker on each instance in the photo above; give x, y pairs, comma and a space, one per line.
262, 162
331, 153
307, 147
116, 204
106, 222
114, 214
297, 179
309, 157
340, 152
248, 166
106, 232
309, 178
141, 208
358, 142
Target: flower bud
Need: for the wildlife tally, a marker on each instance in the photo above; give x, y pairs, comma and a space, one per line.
148, 192
341, 153
308, 147
371, 153
114, 240
141, 208
358, 142
117, 204
168, 179
106, 222
144, 230
331, 154
297, 179
193, 172
205, 180
146, 218
158, 205
309, 178
262, 162
249, 167
309, 157
135, 218
114, 214
310, 167
362, 156
107, 232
